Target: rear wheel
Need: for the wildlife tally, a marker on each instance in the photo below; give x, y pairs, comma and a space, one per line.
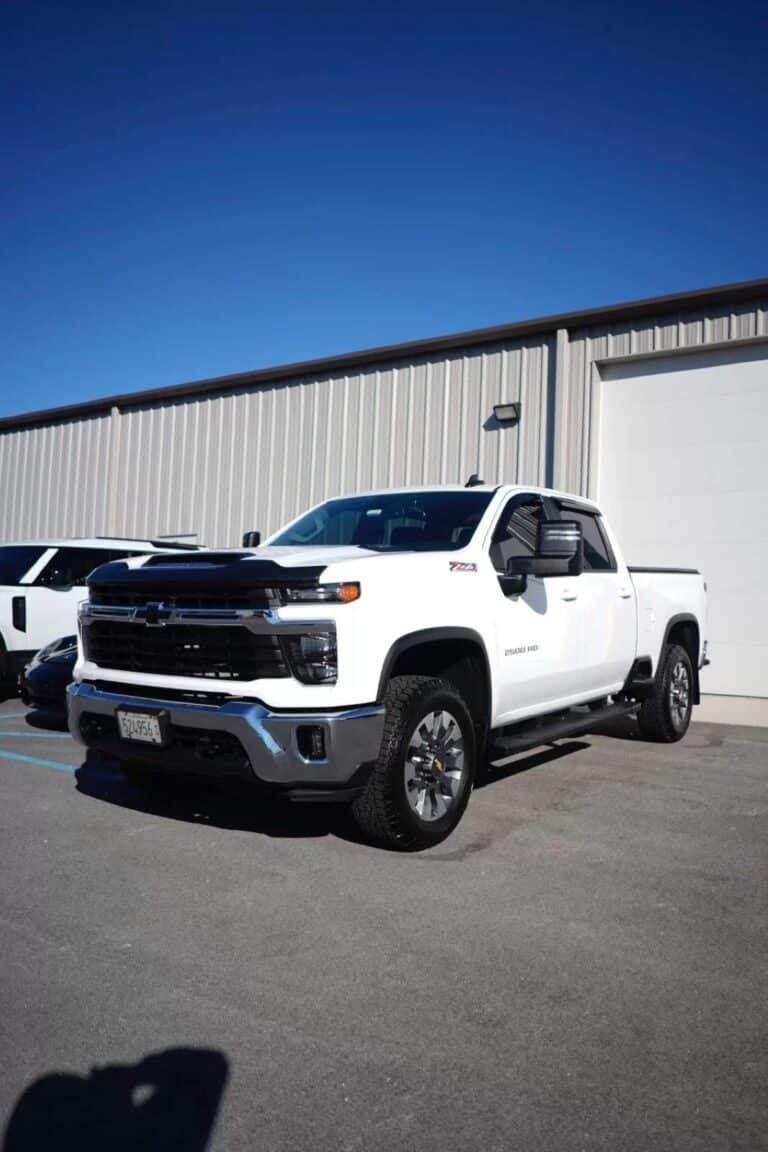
420, 784
664, 717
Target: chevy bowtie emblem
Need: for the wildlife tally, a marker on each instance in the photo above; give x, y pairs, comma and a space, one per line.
152, 614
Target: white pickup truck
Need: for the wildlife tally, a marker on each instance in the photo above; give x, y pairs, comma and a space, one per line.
380, 649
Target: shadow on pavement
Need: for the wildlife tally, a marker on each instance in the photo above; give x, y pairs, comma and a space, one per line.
529, 760
223, 805
168, 1100
241, 808
48, 721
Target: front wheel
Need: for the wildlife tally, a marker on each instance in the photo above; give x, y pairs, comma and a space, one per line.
664, 717
420, 785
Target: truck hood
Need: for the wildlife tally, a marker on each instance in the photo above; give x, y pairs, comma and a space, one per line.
313, 557
263, 566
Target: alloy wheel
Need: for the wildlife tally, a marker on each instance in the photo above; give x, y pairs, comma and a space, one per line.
434, 766
679, 694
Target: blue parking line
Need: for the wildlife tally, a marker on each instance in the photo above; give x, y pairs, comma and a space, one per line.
59, 766
36, 760
12, 715
38, 735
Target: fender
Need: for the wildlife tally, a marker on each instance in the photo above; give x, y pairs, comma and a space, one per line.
429, 636
685, 618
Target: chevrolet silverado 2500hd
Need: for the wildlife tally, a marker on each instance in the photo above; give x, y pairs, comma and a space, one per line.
382, 647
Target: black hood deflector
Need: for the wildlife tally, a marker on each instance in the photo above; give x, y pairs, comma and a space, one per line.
205, 570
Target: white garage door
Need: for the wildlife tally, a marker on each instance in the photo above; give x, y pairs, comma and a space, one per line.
683, 477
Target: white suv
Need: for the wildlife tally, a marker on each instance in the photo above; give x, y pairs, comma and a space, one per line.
41, 584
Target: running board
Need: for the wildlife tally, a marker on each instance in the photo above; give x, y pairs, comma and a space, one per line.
501, 747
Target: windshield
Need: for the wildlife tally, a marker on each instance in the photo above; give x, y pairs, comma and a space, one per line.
396, 521
16, 560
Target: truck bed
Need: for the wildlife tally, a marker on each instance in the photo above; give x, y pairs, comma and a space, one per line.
667, 596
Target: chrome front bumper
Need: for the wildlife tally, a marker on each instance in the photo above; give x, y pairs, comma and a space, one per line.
269, 739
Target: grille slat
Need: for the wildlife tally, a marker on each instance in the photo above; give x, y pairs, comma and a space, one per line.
225, 652
137, 595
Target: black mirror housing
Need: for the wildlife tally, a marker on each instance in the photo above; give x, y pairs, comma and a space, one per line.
559, 539
251, 539
559, 552
513, 583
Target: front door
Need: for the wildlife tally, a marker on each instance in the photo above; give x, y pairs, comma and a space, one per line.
538, 634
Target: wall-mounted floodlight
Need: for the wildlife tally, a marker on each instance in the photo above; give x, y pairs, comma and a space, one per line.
507, 413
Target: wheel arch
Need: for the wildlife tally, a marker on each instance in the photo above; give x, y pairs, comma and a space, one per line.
458, 654
683, 629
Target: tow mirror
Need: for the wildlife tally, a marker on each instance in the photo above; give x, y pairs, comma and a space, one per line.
560, 541
513, 582
251, 539
559, 552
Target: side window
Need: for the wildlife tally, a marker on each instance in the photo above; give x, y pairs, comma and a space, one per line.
597, 552
72, 566
517, 529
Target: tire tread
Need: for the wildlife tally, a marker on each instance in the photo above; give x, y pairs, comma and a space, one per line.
653, 718
375, 810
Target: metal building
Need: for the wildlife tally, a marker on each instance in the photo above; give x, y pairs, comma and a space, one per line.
657, 408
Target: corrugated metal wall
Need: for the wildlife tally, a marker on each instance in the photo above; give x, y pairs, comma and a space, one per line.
54, 479
215, 465
255, 458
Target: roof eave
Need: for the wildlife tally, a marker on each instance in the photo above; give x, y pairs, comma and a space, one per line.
723, 295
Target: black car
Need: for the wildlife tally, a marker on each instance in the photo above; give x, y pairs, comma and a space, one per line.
43, 683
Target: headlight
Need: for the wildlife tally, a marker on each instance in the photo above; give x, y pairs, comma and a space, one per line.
322, 594
313, 657
55, 648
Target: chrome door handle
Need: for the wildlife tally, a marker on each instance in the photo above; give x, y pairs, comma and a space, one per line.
567, 594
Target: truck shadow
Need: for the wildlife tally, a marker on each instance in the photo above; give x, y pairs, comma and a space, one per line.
169, 1099
221, 804
240, 808
494, 773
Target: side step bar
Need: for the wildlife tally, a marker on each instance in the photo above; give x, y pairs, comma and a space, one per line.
501, 747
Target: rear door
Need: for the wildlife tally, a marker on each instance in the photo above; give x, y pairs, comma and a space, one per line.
538, 634
607, 604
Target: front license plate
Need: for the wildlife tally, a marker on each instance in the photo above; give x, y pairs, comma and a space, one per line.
143, 726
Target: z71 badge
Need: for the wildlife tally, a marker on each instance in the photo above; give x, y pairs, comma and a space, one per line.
461, 566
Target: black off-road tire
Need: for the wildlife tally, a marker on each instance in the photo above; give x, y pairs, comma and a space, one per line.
382, 811
661, 718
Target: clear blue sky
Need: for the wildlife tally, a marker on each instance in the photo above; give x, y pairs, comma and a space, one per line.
191, 190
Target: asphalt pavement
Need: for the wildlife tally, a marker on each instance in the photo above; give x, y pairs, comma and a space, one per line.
582, 965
